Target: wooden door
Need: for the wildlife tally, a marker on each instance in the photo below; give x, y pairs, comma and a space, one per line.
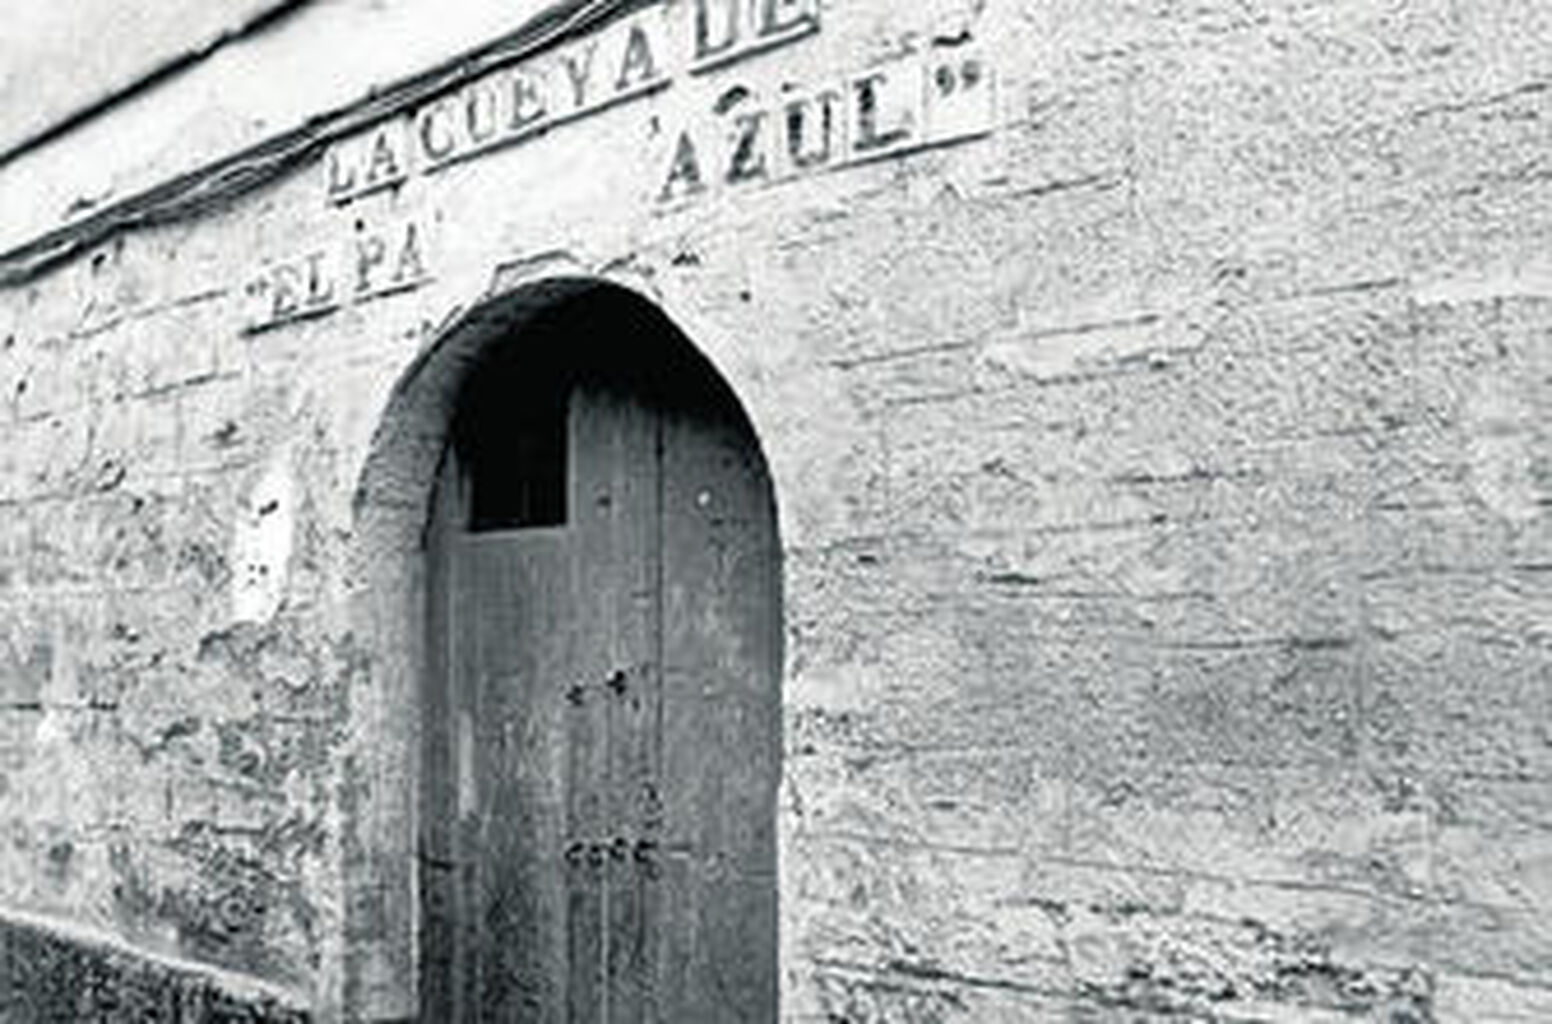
603, 705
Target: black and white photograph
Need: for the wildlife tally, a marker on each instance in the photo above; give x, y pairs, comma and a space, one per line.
776, 512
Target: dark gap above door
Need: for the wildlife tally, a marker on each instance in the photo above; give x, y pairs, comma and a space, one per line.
511, 430
512, 446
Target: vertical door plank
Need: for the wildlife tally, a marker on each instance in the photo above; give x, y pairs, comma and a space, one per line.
462, 808
615, 497
439, 902
520, 728
508, 788
721, 703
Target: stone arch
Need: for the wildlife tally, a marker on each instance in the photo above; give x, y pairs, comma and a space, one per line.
379, 788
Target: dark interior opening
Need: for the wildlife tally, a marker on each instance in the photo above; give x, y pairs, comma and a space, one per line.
511, 430
511, 436
517, 468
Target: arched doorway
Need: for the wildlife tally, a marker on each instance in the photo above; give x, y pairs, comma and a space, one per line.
601, 736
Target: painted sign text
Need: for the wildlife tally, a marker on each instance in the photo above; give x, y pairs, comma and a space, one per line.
623, 61
909, 104
370, 264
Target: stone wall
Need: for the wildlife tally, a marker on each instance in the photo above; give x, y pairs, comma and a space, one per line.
1164, 471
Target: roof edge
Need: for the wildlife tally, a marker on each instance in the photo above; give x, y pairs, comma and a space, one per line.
167, 69
223, 181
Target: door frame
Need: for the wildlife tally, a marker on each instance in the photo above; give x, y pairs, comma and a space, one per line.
383, 660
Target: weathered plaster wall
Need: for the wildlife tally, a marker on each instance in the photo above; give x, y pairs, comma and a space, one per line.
59, 60
1164, 479
66, 56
